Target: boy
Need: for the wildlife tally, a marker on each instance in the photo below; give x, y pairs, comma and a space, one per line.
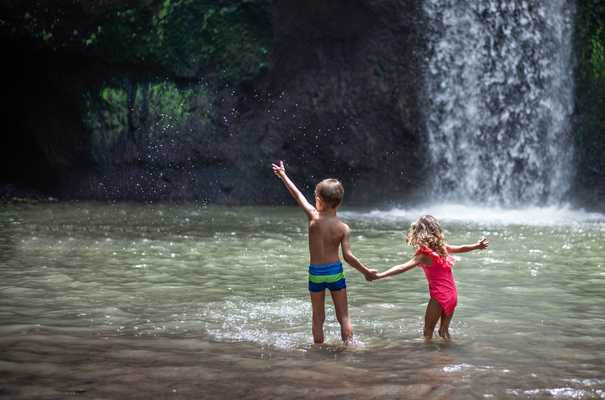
326, 234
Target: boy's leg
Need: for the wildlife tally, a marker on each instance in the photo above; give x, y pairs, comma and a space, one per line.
339, 297
318, 300
432, 315
444, 326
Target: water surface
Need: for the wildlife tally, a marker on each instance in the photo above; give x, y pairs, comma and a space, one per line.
165, 301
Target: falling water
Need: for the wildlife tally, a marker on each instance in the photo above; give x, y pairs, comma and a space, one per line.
501, 92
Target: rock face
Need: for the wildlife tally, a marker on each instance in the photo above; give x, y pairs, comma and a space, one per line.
42, 131
341, 97
333, 88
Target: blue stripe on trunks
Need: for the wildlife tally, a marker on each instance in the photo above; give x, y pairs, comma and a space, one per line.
325, 269
320, 287
324, 275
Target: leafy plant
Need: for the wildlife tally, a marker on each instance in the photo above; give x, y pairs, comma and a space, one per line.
154, 111
183, 38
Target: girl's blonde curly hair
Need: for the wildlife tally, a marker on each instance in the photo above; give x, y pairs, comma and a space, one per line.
427, 232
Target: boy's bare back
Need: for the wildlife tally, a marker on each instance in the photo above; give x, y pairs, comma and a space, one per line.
326, 233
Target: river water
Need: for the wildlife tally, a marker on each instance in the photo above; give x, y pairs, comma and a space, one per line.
122, 301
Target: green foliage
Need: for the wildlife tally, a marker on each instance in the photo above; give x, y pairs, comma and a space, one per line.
155, 111
590, 39
186, 38
106, 116
165, 99
233, 39
126, 36
589, 127
598, 54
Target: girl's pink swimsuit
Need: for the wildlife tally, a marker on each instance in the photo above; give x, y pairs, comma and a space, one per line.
442, 286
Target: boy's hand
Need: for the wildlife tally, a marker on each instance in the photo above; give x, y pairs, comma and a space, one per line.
371, 275
279, 170
482, 244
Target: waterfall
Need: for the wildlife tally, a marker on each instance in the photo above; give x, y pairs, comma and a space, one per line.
500, 89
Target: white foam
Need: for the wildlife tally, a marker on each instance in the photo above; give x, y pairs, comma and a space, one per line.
280, 323
562, 215
500, 80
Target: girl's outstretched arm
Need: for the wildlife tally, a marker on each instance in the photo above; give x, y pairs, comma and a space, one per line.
280, 172
480, 245
398, 269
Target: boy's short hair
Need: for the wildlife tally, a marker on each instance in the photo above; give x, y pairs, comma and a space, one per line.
330, 191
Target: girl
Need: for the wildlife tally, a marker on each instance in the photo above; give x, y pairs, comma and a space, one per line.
432, 255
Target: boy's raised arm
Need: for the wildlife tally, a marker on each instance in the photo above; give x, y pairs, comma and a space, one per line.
280, 172
480, 245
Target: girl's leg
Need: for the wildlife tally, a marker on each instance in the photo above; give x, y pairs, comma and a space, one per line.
319, 315
444, 326
339, 297
432, 315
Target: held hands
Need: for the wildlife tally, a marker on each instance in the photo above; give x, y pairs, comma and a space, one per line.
279, 170
378, 275
482, 244
371, 275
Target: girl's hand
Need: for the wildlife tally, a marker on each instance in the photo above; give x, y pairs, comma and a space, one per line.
482, 244
371, 275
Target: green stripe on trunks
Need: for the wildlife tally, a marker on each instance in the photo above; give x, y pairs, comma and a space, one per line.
326, 278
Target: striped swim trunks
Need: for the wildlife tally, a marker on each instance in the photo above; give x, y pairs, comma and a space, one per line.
326, 276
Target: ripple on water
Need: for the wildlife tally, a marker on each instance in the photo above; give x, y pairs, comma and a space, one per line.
528, 309
559, 393
277, 323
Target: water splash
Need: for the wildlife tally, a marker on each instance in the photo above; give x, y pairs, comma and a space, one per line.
501, 91
267, 323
